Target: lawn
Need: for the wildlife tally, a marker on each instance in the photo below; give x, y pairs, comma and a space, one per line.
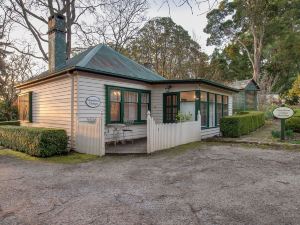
70, 158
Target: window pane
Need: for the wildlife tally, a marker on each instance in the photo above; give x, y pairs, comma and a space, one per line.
188, 108
203, 112
219, 112
115, 111
115, 95
212, 114
130, 96
144, 110
225, 99
145, 97
203, 96
24, 107
212, 97
250, 99
130, 111
187, 96
225, 109
219, 98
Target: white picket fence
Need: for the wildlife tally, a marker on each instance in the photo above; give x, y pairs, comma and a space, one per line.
90, 138
168, 135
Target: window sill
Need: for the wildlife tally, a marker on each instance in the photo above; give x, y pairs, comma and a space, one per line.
135, 123
207, 128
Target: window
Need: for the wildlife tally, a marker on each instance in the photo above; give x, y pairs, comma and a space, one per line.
130, 106
219, 108
171, 107
145, 105
187, 103
25, 107
115, 105
203, 108
225, 105
212, 110
250, 100
125, 104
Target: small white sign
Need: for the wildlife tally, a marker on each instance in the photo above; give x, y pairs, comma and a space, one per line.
283, 112
93, 101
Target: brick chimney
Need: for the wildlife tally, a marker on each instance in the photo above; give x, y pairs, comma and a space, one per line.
57, 41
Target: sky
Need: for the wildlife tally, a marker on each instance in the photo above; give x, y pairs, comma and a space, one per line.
194, 22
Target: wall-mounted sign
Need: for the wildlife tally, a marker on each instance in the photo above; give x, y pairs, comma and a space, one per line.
283, 112
93, 101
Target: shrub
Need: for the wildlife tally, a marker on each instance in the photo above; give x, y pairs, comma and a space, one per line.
241, 124
13, 123
40, 142
294, 122
277, 134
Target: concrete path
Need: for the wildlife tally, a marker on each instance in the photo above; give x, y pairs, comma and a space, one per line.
204, 184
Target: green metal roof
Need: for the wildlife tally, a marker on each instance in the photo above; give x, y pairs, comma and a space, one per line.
102, 59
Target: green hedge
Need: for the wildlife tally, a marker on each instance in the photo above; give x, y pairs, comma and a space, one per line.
294, 122
242, 123
13, 123
40, 142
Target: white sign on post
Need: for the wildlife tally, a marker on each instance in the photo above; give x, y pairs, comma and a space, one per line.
283, 112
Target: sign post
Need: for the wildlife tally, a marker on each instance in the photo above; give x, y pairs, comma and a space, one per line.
283, 113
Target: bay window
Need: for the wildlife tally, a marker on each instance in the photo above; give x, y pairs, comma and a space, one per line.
126, 104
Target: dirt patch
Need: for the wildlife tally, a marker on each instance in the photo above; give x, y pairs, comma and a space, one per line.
202, 184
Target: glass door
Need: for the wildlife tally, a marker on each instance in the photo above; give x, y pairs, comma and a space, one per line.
171, 107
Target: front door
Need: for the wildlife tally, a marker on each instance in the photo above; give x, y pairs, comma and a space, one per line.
171, 107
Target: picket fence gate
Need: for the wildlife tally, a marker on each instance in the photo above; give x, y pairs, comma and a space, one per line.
90, 137
167, 135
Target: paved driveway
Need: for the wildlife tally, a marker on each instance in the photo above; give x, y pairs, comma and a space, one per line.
207, 184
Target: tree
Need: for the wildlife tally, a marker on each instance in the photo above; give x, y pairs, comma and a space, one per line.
116, 25
240, 21
169, 49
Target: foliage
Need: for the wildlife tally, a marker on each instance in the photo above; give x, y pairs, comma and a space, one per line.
241, 124
70, 158
168, 49
230, 30
269, 112
11, 123
293, 95
293, 123
183, 117
40, 142
288, 133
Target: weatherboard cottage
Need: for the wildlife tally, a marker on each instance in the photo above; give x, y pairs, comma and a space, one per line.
102, 89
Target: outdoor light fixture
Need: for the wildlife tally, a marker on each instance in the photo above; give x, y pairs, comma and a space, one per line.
168, 88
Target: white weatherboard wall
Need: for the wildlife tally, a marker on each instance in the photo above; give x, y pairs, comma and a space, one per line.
51, 104
90, 85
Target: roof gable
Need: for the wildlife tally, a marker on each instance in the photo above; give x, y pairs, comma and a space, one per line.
245, 85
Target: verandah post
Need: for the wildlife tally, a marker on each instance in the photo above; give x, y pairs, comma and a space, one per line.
199, 121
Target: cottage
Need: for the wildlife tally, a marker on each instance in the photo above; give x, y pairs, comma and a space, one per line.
103, 90
246, 98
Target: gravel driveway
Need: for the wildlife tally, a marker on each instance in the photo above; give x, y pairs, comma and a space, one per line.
207, 184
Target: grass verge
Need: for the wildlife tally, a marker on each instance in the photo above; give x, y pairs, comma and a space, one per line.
70, 158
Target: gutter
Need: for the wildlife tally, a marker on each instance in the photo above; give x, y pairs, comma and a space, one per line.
70, 70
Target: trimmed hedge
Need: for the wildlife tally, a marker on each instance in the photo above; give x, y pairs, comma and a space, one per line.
242, 123
294, 122
40, 142
12, 123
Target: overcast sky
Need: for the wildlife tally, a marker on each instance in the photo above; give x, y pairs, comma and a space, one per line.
193, 22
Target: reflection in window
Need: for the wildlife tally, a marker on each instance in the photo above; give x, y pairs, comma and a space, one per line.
145, 103
187, 103
203, 108
115, 105
219, 109
212, 110
130, 106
